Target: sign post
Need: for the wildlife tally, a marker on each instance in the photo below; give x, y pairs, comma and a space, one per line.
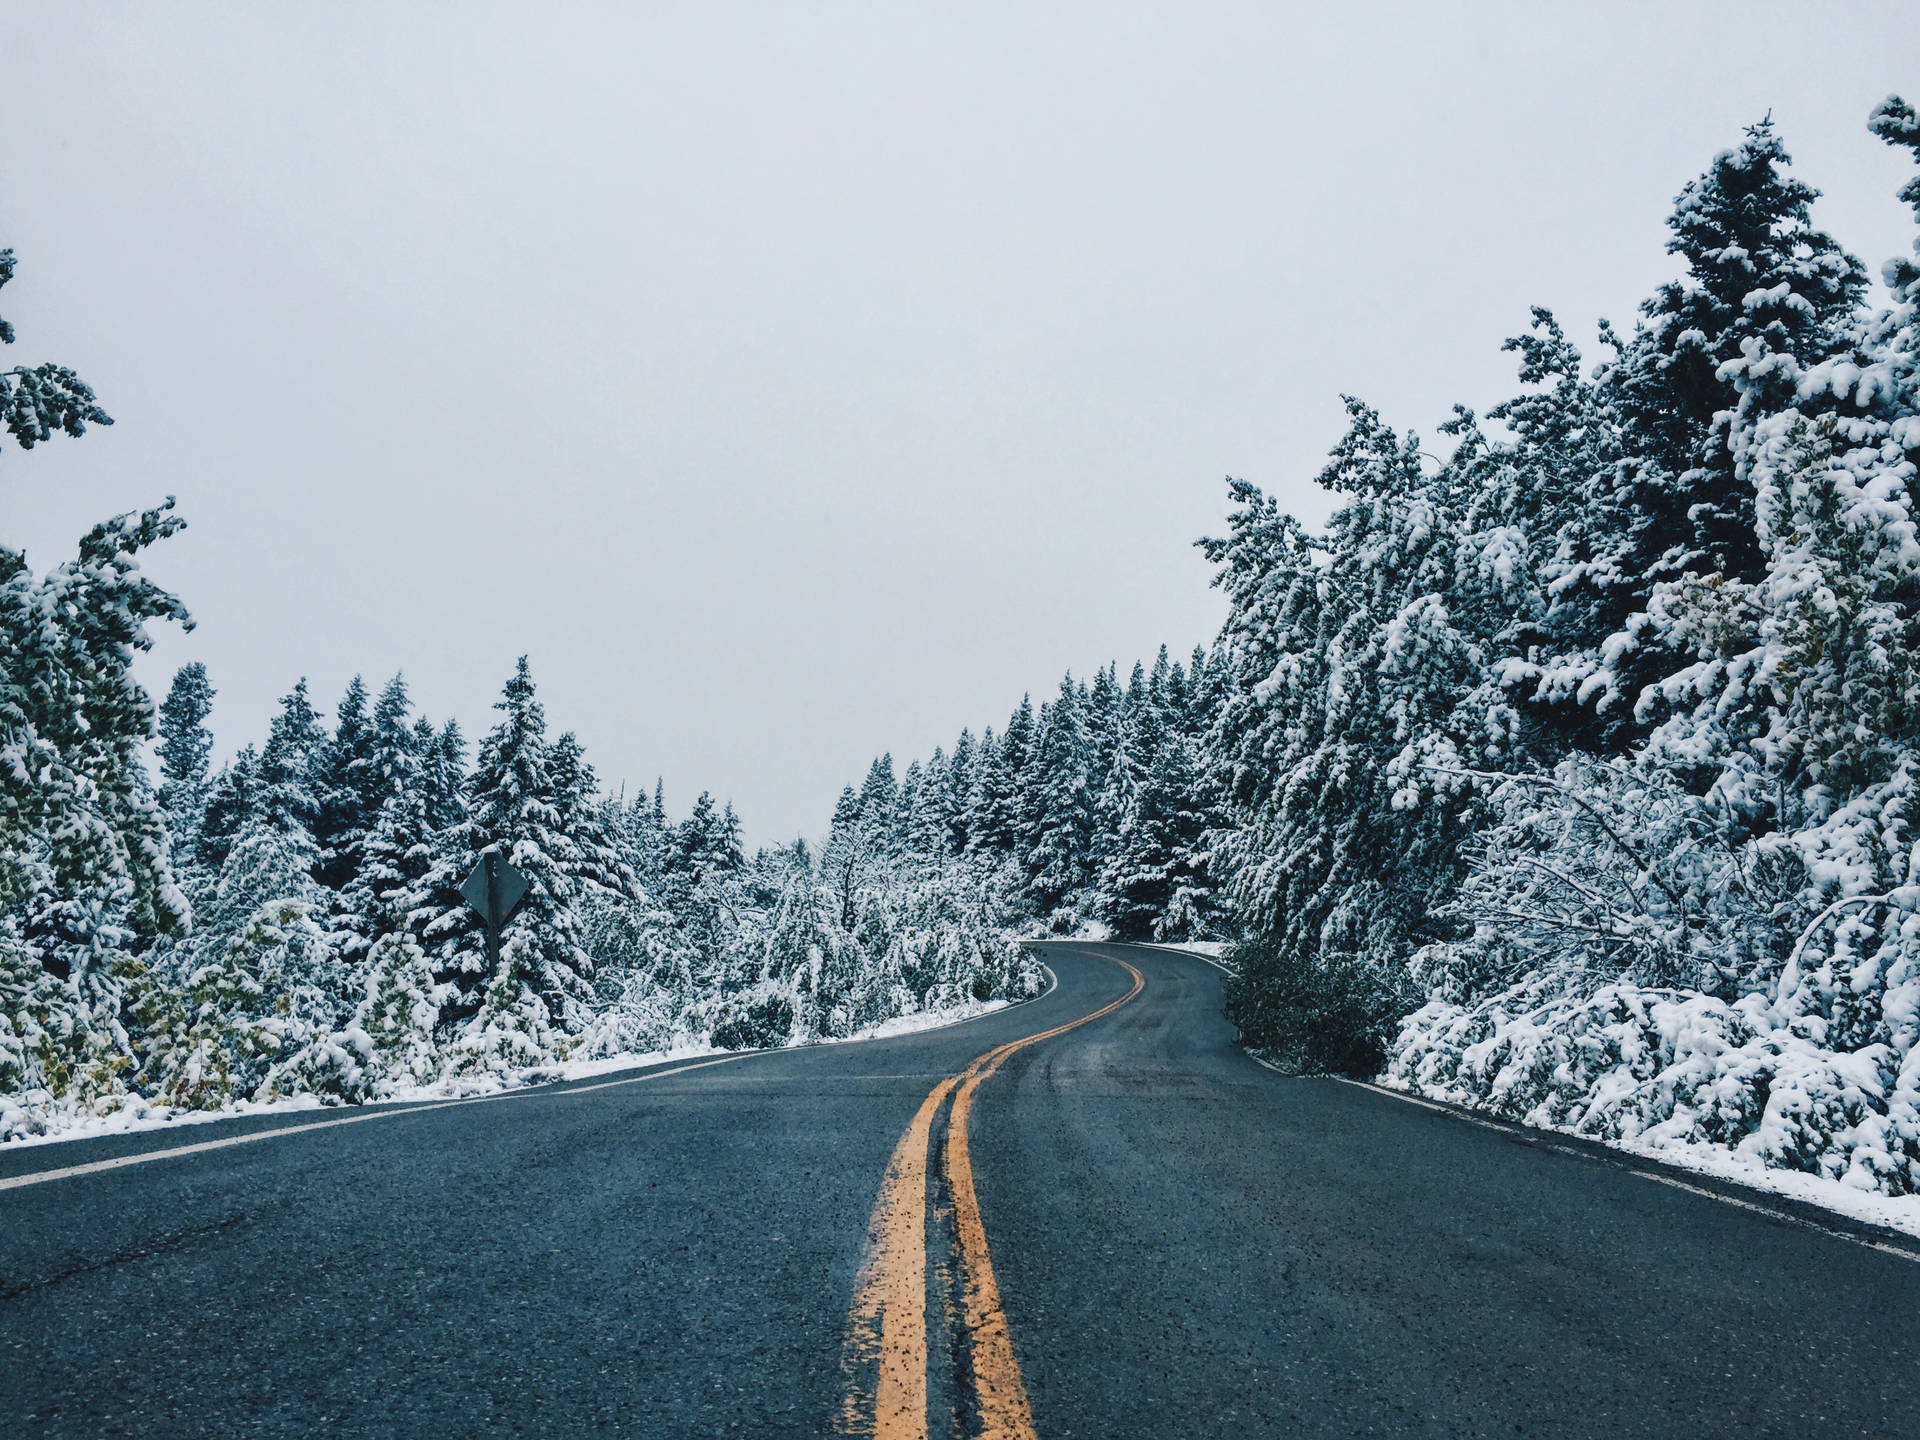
493, 889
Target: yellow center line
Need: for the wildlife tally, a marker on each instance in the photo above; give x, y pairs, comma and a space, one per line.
888, 1320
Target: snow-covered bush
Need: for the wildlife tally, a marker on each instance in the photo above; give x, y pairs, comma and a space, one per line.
1821, 1076
1598, 871
755, 1021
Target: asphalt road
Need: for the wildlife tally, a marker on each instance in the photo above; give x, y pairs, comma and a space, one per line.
1165, 1239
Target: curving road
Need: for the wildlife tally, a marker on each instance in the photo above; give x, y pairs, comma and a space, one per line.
1089, 1216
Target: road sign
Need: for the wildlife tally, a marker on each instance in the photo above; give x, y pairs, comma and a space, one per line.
493, 889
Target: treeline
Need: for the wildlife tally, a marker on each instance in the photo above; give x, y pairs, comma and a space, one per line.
1097, 808
292, 923
1577, 773
1574, 771
325, 868
309, 934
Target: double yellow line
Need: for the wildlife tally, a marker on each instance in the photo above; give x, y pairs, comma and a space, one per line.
886, 1347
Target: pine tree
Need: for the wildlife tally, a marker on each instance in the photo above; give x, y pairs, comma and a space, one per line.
36, 401
389, 853
1759, 276
1062, 810
345, 786
961, 782
233, 802
704, 865
998, 815
900, 837
879, 800
599, 861
930, 817
542, 990
1144, 730
847, 857
185, 745
290, 765
1354, 675
444, 757
84, 870
1159, 885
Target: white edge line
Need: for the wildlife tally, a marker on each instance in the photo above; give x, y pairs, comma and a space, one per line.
1140, 945
94, 1167
1176, 950
1772, 1213
1518, 1133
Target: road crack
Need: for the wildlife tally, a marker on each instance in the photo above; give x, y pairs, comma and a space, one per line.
164, 1245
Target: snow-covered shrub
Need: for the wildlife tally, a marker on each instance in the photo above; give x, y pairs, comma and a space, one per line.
58, 1051
643, 1015
1600, 871
267, 992
513, 1030
757, 1022
1821, 1076
389, 1043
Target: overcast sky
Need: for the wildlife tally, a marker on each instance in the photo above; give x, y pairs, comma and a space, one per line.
797, 383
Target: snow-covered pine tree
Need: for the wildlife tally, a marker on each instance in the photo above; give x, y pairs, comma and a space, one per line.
703, 866
345, 786
1351, 676
847, 857
84, 874
879, 804
77, 814
1799, 715
289, 775
961, 782
900, 838
390, 852
1158, 884
39, 400
444, 758
541, 992
1060, 811
927, 836
233, 798
997, 815
1758, 273
185, 746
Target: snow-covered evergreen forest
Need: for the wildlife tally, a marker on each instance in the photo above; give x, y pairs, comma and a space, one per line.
172, 935
1572, 771
291, 923
1095, 813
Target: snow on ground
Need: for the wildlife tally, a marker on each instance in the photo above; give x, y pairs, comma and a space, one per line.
1088, 930
131, 1113
1096, 930
1901, 1212
1205, 949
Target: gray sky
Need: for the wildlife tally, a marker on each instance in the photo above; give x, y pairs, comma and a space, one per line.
796, 383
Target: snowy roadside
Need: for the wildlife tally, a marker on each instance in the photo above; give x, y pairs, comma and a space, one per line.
1209, 950
1901, 1212
1094, 931
131, 1114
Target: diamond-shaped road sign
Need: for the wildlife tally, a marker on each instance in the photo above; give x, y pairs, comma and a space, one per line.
494, 888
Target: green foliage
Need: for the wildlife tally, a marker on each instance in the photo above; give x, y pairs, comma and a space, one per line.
36, 402
757, 1025
1328, 1014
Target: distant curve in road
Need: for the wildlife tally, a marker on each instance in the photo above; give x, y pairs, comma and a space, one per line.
1112, 1222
